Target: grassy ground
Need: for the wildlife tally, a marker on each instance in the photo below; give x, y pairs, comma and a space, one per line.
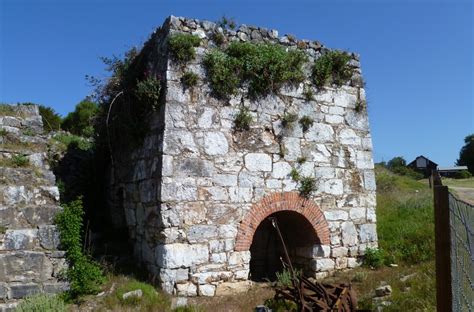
459, 182
406, 237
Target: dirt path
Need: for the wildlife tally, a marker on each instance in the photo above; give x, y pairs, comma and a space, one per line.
464, 193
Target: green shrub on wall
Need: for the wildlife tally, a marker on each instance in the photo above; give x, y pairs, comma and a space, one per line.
332, 68
182, 47
84, 274
265, 67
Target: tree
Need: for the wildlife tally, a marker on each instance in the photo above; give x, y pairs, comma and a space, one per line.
466, 155
51, 120
80, 121
396, 162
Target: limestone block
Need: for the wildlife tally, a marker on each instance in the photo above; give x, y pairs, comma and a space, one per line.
357, 214
371, 217
221, 245
229, 163
339, 252
201, 233
175, 113
231, 288
250, 179
176, 191
319, 153
167, 165
55, 288
19, 290
281, 170
48, 236
349, 234
209, 277
240, 194
336, 110
357, 120
368, 233
324, 172
352, 263
239, 258
349, 137
369, 180
215, 193
273, 184
343, 98
292, 148
340, 263
289, 185
3, 291
242, 274
194, 167
219, 257
307, 169
186, 289
227, 231
207, 290
331, 186
15, 195
316, 250
364, 160
23, 239
258, 162
177, 142
215, 143
336, 215
334, 119
225, 179
173, 256
322, 265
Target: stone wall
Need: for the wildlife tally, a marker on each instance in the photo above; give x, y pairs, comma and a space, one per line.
188, 191
29, 257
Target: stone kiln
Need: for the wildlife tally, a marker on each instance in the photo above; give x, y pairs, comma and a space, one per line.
196, 195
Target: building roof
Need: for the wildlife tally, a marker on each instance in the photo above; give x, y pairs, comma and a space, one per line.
457, 168
421, 156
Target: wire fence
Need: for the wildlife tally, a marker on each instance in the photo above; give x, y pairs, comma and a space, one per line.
461, 216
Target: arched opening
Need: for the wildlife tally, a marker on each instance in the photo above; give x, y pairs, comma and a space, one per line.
267, 250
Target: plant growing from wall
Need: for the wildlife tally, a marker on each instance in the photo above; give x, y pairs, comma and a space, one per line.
360, 105
182, 47
308, 94
243, 119
51, 119
226, 22
263, 67
295, 175
189, 79
84, 274
301, 160
306, 122
332, 68
307, 186
147, 91
219, 38
288, 120
19, 160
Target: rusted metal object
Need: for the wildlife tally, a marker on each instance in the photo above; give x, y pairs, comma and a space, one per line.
310, 295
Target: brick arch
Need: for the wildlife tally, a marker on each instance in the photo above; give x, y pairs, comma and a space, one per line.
275, 202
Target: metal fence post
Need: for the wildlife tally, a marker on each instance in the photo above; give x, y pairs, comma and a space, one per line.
444, 295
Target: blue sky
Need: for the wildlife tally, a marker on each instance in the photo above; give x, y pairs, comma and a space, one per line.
416, 56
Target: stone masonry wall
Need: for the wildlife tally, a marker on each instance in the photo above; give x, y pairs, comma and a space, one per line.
187, 191
29, 257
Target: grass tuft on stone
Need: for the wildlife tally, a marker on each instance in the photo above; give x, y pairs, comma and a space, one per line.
182, 47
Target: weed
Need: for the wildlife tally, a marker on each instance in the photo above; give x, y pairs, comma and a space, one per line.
359, 277
285, 278
360, 105
243, 119
288, 119
306, 122
301, 160
148, 92
308, 94
41, 302
182, 47
189, 79
265, 67
374, 258
218, 38
332, 68
19, 160
295, 175
226, 22
84, 275
307, 186
6, 109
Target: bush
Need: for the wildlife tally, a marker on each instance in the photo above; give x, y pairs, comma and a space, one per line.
462, 175
281, 305
307, 186
265, 67
40, 303
182, 47
374, 258
84, 275
243, 119
332, 68
189, 79
147, 92
69, 140
81, 120
306, 122
51, 120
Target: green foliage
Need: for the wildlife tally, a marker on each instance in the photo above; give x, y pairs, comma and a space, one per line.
308, 94
466, 154
51, 120
3, 132
218, 38
182, 47
306, 122
396, 162
6, 109
147, 91
295, 175
332, 68
226, 22
307, 186
360, 105
81, 120
40, 303
464, 174
19, 160
285, 278
85, 275
398, 165
243, 119
374, 258
150, 298
189, 79
301, 160
3, 229
281, 305
288, 119
265, 67
69, 140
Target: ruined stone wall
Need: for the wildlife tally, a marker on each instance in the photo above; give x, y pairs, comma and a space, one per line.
195, 181
30, 261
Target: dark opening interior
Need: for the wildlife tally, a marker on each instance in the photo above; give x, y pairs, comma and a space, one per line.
267, 249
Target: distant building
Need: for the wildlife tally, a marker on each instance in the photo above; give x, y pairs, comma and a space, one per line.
451, 171
423, 165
